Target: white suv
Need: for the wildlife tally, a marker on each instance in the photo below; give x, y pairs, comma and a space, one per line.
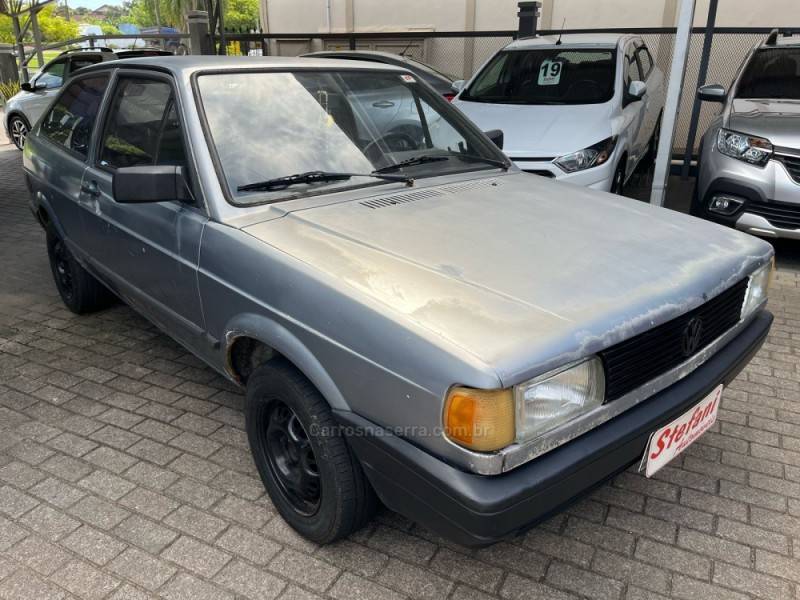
580, 108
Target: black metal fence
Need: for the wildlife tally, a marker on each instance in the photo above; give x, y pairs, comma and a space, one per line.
460, 53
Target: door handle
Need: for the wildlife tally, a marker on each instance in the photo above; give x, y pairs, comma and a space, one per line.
383, 104
90, 188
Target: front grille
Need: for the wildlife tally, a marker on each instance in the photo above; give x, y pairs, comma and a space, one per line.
780, 214
634, 362
541, 173
792, 164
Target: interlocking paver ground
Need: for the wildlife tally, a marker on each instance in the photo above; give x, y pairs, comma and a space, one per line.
124, 473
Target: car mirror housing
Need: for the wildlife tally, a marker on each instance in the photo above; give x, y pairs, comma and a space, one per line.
496, 135
637, 90
26, 87
712, 93
153, 183
458, 85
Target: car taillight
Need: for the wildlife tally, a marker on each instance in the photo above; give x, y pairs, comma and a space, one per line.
449, 96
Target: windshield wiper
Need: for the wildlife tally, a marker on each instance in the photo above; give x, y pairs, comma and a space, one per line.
414, 160
428, 158
281, 183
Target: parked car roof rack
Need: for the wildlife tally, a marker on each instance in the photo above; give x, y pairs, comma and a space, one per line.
772, 38
95, 49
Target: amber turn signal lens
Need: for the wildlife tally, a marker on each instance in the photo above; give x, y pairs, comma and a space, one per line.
481, 420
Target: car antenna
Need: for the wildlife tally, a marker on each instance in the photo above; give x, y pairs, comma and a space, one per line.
403, 53
560, 33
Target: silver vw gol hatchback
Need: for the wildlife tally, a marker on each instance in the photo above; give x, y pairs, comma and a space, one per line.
413, 318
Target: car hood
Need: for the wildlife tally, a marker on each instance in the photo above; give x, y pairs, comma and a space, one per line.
541, 130
522, 273
776, 120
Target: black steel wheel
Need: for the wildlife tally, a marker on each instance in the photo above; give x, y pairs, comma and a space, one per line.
308, 470
291, 459
80, 292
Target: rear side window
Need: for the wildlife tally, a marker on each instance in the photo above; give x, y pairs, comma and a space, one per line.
772, 73
70, 121
143, 127
83, 61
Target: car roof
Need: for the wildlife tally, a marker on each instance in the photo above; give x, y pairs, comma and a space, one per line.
186, 65
371, 53
791, 41
592, 40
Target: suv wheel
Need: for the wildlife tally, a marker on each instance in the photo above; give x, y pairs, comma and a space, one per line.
312, 477
18, 128
80, 292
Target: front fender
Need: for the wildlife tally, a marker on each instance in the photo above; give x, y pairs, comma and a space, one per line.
282, 341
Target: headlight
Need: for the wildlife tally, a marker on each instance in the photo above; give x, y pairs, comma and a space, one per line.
551, 399
593, 156
750, 149
757, 288
489, 420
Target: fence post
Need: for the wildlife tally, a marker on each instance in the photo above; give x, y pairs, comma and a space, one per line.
199, 42
701, 80
528, 18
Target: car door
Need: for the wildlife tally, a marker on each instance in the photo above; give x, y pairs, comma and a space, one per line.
654, 99
45, 86
66, 130
633, 110
148, 252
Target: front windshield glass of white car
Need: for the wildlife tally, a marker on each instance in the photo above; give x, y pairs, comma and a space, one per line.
357, 125
546, 76
773, 73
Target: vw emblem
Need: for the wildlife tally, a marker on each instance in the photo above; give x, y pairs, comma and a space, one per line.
691, 336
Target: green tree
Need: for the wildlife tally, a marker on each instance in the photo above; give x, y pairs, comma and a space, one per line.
241, 14
55, 28
6, 31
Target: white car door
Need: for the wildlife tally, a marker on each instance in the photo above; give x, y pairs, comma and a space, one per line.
654, 100
633, 110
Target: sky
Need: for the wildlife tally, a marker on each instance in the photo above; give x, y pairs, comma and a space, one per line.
92, 4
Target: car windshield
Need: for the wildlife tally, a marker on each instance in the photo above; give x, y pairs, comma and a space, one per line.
772, 73
266, 125
546, 76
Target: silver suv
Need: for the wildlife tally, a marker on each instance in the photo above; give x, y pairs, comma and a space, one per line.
25, 108
749, 175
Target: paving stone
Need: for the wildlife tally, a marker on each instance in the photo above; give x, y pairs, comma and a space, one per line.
142, 569
106, 484
24, 585
93, 544
39, 554
49, 522
186, 587
147, 502
251, 546
98, 512
85, 581
144, 533
304, 569
14, 503
198, 557
57, 492
196, 522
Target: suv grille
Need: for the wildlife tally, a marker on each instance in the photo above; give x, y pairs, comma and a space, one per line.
642, 358
792, 164
780, 214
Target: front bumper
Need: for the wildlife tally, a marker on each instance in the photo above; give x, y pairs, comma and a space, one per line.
477, 510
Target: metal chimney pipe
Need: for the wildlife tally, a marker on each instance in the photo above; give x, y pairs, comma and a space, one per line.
529, 13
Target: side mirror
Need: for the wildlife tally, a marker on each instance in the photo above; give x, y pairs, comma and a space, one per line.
712, 93
637, 90
159, 183
26, 87
496, 135
458, 85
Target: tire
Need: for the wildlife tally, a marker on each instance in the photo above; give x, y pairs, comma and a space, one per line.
80, 292
18, 129
618, 183
308, 470
181, 50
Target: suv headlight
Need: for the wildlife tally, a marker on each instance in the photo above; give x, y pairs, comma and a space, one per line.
489, 420
593, 156
757, 288
751, 149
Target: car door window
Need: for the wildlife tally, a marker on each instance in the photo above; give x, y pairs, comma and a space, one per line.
143, 127
70, 121
632, 72
52, 76
645, 62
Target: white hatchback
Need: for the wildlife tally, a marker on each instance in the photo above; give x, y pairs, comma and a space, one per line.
583, 108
